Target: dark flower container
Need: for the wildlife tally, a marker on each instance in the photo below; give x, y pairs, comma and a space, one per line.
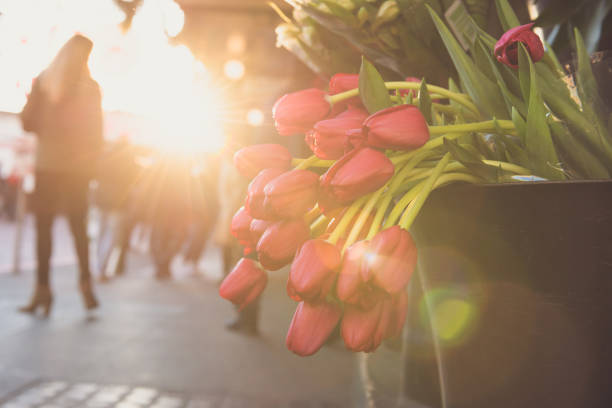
512, 304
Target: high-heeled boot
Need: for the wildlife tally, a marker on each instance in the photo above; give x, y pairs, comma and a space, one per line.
42, 298
89, 299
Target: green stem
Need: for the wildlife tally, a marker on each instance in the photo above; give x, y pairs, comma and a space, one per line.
363, 216
457, 97
318, 227
514, 168
305, 163
486, 126
346, 219
430, 145
415, 206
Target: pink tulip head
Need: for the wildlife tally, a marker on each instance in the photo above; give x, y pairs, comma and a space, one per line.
280, 241
313, 271
353, 285
244, 283
394, 261
292, 194
256, 196
251, 160
343, 82
311, 325
240, 225
506, 48
297, 112
401, 127
359, 172
257, 228
364, 330
329, 139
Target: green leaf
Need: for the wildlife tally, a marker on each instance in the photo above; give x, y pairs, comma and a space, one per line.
577, 156
538, 141
514, 152
592, 105
482, 90
471, 161
341, 12
523, 71
519, 124
372, 90
424, 101
506, 15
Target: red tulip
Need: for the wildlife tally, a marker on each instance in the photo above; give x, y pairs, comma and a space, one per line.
257, 228
241, 223
251, 160
343, 82
506, 48
244, 283
292, 194
297, 112
255, 195
329, 138
394, 259
314, 270
364, 330
279, 243
357, 173
311, 325
401, 127
351, 286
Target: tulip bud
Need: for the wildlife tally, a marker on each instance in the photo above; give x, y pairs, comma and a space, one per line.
313, 271
364, 330
256, 196
343, 82
292, 194
240, 225
506, 48
359, 172
297, 112
311, 325
244, 283
279, 243
401, 127
350, 279
329, 138
393, 260
251, 160
257, 228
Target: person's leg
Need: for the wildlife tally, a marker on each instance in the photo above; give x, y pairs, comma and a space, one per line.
44, 226
78, 227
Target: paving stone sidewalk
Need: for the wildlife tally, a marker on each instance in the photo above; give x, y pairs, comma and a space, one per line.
158, 344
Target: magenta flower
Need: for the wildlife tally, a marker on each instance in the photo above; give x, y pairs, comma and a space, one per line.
506, 48
256, 196
343, 82
364, 330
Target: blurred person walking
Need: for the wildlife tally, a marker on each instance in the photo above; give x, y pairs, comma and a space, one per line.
64, 111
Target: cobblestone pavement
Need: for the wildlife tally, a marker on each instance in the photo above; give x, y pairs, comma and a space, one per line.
59, 394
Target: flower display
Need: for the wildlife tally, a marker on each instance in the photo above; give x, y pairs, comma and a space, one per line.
342, 216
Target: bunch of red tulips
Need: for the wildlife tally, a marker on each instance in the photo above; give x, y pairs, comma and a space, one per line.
329, 215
